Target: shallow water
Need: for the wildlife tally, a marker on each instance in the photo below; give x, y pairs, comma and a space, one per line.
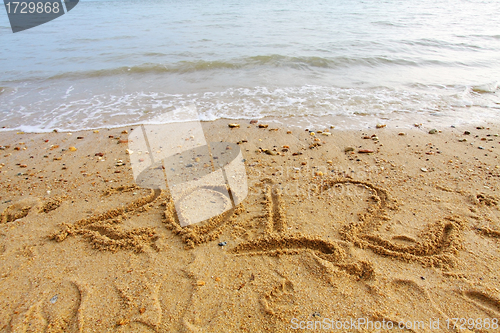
111, 63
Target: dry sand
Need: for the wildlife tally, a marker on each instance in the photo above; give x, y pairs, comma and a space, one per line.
407, 233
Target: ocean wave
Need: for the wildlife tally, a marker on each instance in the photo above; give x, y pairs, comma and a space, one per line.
109, 110
276, 61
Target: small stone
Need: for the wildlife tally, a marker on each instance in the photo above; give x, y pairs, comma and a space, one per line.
312, 134
326, 133
480, 127
142, 310
288, 132
111, 136
423, 169
317, 139
200, 283
318, 173
375, 138
417, 125
124, 132
263, 126
348, 149
365, 151
72, 149
23, 166
433, 131
96, 131
253, 122
329, 162
462, 140
480, 147
222, 244
304, 163
54, 299
99, 154
79, 138
197, 159
122, 141
234, 125
466, 133
269, 152
381, 125
130, 152
402, 133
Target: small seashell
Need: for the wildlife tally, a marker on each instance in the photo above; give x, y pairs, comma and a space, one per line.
263, 126
234, 125
288, 132
312, 134
401, 133
72, 149
124, 132
423, 169
96, 131
326, 133
329, 162
381, 125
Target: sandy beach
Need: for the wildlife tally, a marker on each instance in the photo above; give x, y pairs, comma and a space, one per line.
393, 226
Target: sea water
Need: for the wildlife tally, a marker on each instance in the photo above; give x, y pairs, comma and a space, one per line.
110, 63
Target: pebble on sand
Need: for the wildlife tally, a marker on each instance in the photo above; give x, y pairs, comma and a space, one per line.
263, 126
348, 149
433, 131
234, 125
365, 151
72, 149
381, 125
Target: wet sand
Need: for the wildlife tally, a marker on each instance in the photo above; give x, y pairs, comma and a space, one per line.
387, 224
